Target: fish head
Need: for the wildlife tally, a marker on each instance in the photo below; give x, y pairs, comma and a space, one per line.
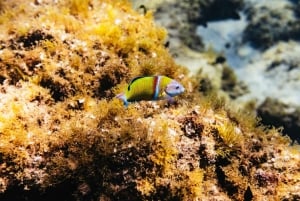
174, 88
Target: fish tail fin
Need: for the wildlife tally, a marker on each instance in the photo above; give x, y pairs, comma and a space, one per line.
123, 98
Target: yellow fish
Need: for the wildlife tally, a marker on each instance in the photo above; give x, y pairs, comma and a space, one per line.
151, 88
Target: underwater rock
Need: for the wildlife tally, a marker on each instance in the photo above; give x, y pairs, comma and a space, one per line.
63, 135
271, 23
274, 74
181, 18
175, 17
275, 113
231, 85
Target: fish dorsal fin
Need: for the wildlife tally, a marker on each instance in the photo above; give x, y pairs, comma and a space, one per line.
135, 79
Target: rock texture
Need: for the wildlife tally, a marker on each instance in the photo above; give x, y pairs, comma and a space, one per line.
275, 75
275, 113
260, 43
63, 135
270, 23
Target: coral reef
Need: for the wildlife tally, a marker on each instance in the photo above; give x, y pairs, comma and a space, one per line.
63, 135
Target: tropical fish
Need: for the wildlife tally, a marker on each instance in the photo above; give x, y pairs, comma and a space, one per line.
151, 88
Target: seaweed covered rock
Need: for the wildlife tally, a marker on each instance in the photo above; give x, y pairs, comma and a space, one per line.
276, 113
262, 47
181, 18
275, 75
63, 135
270, 23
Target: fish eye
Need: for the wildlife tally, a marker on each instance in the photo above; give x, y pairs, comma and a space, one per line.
177, 87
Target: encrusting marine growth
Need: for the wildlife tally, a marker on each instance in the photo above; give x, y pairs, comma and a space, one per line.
64, 135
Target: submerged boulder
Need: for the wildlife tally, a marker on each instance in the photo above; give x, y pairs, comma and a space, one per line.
63, 135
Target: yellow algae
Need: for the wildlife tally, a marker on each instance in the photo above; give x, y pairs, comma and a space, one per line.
195, 183
61, 125
145, 187
165, 154
79, 7
230, 134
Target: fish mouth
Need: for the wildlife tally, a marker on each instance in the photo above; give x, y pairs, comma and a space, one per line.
172, 95
168, 93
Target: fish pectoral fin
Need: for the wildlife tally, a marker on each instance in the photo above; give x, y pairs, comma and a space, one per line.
163, 95
170, 100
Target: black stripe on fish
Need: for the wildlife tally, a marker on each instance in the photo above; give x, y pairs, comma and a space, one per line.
135, 79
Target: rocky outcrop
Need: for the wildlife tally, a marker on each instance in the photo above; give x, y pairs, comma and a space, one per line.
64, 135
